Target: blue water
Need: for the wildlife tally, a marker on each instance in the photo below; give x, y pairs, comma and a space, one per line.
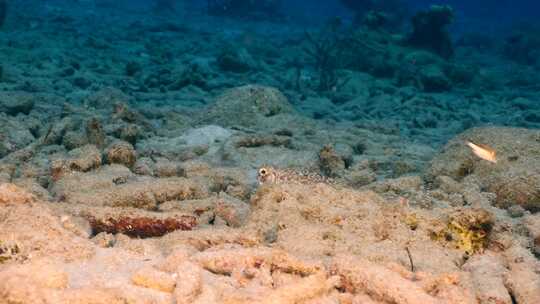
476, 63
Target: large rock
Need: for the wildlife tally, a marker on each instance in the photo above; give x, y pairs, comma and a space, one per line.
14, 103
11, 194
29, 229
106, 98
13, 135
268, 149
236, 60
82, 159
246, 106
433, 79
116, 186
121, 152
204, 141
515, 178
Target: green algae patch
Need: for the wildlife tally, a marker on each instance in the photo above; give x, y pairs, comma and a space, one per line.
467, 230
411, 220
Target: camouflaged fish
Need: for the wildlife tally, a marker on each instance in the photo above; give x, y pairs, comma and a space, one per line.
271, 175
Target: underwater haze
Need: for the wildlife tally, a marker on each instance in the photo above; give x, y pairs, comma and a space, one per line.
270, 151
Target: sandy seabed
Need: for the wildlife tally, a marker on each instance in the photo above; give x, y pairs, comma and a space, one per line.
128, 171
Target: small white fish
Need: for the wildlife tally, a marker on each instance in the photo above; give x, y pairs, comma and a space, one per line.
483, 151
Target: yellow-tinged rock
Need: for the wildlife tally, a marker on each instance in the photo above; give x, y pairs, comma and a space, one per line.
154, 279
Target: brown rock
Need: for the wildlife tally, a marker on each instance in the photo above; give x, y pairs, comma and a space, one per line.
514, 179
11, 194
254, 102
234, 211
82, 159
94, 133
121, 152
36, 232
117, 186
330, 162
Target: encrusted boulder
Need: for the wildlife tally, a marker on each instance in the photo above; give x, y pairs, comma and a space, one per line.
330, 163
236, 60
514, 179
14, 103
82, 159
30, 229
11, 194
121, 152
203, 141
117, 186
106, 98
13, 135
246, 106
95, 133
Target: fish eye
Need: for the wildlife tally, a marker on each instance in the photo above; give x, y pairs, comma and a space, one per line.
262, 171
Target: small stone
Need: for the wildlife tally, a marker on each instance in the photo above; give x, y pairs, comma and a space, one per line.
104, 240
358, 177
121, 152
73, 140
330, 162
144, 166
447, 184
433, 79
456, 200
234, 211
130, 133
176, 258
95, 133
14, 135
166, 168
235, 60
346, 152
78, 225
516, 211
239, 191
271, 235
